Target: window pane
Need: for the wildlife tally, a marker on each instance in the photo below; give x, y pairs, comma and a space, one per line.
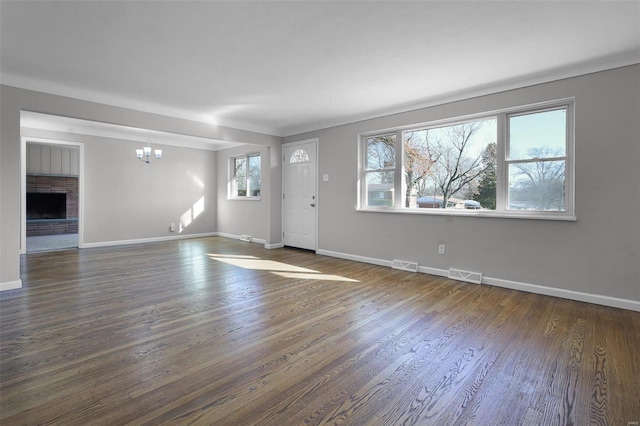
239, 177
380, 188
537, 185
254, 176
299, 156
451, 166
381, 152
538, 135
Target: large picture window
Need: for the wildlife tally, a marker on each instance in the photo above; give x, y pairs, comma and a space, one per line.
515, 162
245, 176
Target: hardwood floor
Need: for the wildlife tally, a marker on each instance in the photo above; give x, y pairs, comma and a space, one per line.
216, 331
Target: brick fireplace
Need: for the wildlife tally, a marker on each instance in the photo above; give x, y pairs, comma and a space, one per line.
37, 184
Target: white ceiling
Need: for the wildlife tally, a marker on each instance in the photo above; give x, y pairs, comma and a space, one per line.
286, 67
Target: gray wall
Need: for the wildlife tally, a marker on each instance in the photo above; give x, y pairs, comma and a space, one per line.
129, 223
237, 217
599, 254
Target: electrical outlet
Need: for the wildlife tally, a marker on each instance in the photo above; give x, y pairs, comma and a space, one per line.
172, 227
441, 248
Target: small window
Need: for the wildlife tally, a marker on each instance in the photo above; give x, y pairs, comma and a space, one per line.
245, 176
536, 160
299, 156
380, 170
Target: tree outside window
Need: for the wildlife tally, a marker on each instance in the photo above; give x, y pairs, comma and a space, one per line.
536, 160
380, 168
245, 180
525, 169
443, 163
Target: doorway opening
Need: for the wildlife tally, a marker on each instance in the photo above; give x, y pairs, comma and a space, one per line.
51, 182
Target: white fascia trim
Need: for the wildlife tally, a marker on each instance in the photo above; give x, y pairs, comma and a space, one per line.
147, 240
578, 296
10, 285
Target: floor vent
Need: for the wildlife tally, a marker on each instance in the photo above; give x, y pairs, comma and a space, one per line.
404, 265
468, 276
246, 238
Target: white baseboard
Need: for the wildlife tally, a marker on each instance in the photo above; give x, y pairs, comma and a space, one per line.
147, 240
355, 257
274, 246
253, 240
11, 285
579, 296
225, 235
597, 299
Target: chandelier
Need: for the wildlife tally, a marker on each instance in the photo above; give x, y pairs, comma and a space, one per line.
145, 154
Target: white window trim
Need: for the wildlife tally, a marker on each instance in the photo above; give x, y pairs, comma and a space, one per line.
397, 171
231, 166
502, 181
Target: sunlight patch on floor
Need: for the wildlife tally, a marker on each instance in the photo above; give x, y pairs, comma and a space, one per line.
279, 268
305, 276
260, 264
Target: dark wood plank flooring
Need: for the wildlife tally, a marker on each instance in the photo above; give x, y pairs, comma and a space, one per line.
216, 331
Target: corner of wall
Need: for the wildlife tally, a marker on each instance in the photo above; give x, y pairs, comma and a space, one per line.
11, 285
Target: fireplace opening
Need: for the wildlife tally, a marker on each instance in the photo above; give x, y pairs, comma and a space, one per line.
45, 205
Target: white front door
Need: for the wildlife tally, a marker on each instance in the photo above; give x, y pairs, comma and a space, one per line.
299, 205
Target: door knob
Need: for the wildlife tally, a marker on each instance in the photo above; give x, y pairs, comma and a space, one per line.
313, 204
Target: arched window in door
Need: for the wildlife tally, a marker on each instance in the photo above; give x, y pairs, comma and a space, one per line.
299, 156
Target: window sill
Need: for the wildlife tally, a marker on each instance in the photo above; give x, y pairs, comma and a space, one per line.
473, 213
244, 198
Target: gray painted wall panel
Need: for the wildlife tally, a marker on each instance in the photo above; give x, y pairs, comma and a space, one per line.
69, 162
46, 160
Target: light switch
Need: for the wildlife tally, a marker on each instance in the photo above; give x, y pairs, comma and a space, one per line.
325, 177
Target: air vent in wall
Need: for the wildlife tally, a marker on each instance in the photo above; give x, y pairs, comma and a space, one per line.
244, 237
468, 276
404, 265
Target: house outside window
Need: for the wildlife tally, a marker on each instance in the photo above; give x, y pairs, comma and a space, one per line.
516, 162
244, 177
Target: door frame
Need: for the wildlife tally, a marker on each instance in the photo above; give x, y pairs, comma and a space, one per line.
314, 141
23, 185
